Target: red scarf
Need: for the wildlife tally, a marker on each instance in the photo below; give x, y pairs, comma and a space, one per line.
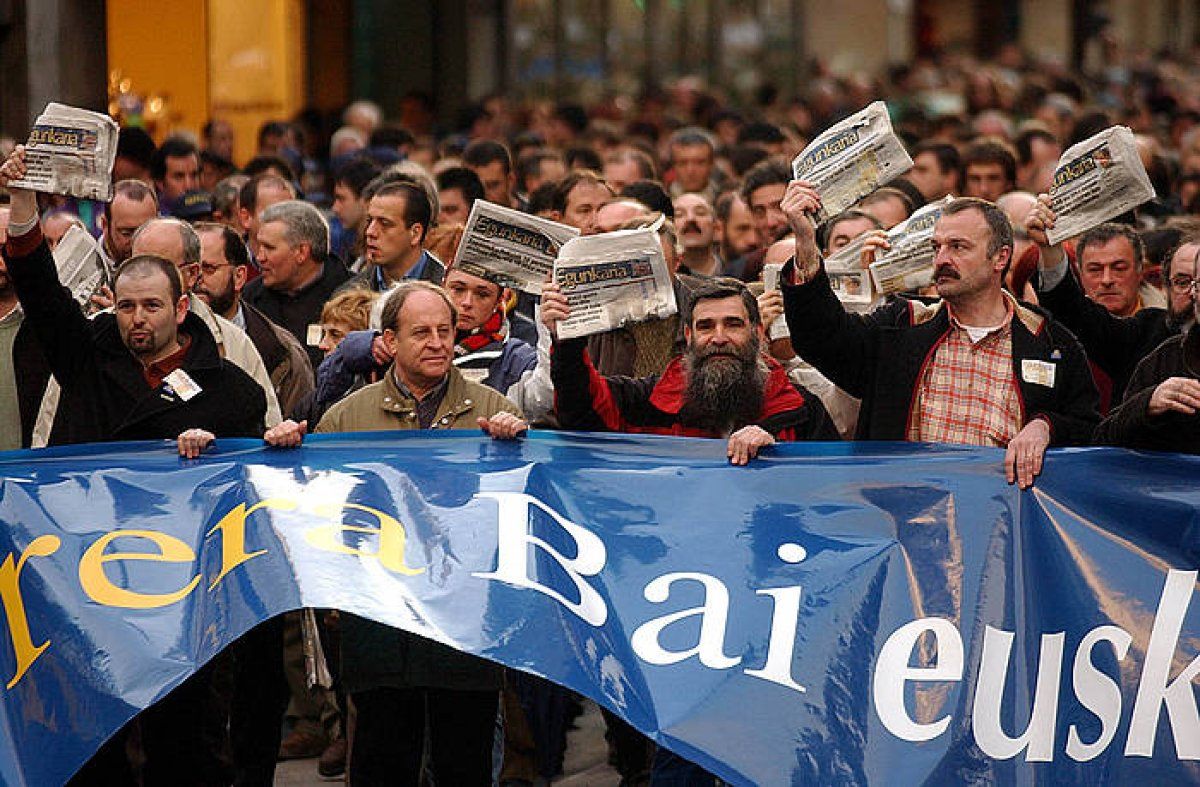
494, 330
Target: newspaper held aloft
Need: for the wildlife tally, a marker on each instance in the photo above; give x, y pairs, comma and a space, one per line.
850, 281
613, 279
80, 267
71, 151
510, 248
1097, 180
850, 159
908, 264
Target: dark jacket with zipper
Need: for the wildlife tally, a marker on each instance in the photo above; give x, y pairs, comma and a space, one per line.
880, 357
105, 396
1131, 424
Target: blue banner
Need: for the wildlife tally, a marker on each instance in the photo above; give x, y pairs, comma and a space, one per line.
831, 614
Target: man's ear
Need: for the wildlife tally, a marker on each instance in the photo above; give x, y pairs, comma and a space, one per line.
181, 309
556, 215
240, 275
389, 339
1003, 258
687, 334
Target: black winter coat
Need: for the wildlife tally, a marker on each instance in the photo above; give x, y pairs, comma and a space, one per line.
105, 396
1131, 425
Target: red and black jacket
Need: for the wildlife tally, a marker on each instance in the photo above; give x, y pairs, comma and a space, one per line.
587, 401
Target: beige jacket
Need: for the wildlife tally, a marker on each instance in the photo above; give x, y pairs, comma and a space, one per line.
381, 406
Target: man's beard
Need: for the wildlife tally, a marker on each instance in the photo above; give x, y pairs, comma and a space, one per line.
725, 387
219, 302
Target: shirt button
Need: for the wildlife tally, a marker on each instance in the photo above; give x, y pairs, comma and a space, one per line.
467, 402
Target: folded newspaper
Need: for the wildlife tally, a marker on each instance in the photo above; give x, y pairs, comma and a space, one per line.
613, 279
850, 159
851, 282
1097, 180
908, 264
511, 248
71, 151
80, 267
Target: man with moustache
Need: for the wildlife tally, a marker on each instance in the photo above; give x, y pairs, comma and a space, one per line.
694, 218
722, 386
975, 367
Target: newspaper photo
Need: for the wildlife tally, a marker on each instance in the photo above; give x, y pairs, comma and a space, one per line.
71, 151
850, 159
851, 282
80, 268
1097, 180
613, 279
908, 264
511, 248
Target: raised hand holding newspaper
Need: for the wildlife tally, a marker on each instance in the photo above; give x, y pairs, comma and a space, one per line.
908, 264
510, 248
71, 151
850, 159
613, 279
1096, 180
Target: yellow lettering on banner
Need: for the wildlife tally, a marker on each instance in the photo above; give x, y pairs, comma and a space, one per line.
14, 606
233, 534
391, 538
98, 587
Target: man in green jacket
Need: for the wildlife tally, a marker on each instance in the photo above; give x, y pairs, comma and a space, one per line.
400, 682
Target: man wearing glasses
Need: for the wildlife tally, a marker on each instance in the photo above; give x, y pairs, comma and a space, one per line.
1163, 397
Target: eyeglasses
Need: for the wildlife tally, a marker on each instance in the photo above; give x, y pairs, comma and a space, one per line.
210, 268
1182, 284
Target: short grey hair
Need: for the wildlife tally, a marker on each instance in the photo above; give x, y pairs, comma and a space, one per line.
303, 223
191, 241
692, 136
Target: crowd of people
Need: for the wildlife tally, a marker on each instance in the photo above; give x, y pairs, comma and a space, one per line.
312, 288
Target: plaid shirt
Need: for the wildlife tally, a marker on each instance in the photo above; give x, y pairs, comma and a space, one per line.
968, 392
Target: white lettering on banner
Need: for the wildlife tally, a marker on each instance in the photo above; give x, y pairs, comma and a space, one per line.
714, 614
892, 671
1153, 690
989, 696
785, 619
1096, 691
514, 561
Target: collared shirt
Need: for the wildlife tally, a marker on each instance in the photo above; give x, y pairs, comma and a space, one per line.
239, 317
157, 371
427, 407
414, 273
968, 392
